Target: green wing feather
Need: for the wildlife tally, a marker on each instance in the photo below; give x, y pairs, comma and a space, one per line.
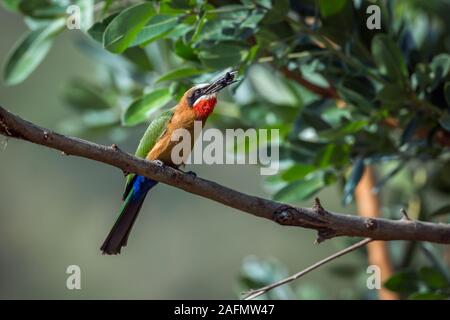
154, 131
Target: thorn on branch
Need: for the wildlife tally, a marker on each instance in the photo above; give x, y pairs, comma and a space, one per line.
115, 147
324, 234
45, 135
405, 215
64, 153
317, 208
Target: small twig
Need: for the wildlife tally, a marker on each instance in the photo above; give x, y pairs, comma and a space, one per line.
256, 293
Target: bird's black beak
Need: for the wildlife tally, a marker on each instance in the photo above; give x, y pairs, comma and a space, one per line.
224, 81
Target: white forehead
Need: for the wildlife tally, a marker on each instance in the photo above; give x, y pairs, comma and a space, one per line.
201, 85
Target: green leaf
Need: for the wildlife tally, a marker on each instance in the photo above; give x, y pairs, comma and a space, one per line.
444, 121
97, 30
124, 28
333, 155
221, 56
43, 9
182, 4
440, 68
139, 58
140, 109
157, 27
251, 57
356, 99
349, 128
278, 12
177, 32
403, 282
331, 7
180, 73
433, 278
447, 93
422, 75
252, 20
315, 120
198, 28
184, 51
167, 7
29, 52
297, 171
81, 95
108, 3
428, 296
353, 180
389, 59
12, 5
302, 189
392, 94
441, 211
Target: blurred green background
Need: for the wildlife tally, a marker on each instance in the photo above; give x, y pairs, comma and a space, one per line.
55, 211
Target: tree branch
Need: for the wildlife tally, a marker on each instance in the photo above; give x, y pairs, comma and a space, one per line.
251, 294
326, 223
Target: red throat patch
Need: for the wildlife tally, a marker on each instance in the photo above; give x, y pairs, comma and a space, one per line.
204, 107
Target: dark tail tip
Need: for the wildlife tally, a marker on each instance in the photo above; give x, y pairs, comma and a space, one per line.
107, 249
118, 236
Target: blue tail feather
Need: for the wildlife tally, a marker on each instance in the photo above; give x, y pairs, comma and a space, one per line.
118, 236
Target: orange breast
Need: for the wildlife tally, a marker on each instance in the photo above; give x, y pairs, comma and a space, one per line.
184, 117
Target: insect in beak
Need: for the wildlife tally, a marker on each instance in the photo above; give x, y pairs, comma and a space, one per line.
221, 83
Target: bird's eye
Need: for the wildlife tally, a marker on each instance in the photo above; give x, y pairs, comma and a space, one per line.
197, 92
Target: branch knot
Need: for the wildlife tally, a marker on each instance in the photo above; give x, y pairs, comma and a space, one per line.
284, 215
370, 224
5, 128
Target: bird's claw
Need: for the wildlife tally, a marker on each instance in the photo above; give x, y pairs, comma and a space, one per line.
159, 163
191, 173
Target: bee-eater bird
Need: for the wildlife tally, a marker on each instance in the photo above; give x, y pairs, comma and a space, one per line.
196, 105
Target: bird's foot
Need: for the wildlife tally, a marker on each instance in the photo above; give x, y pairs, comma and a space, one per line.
191, 173
159, 163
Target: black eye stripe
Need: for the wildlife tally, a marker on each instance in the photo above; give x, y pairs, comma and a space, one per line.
194, 96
